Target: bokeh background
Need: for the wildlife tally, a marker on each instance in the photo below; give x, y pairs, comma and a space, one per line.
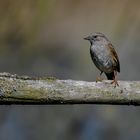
45, 38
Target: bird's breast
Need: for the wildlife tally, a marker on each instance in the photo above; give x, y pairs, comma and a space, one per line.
101, 58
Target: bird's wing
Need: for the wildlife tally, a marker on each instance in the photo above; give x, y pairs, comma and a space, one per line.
115, 57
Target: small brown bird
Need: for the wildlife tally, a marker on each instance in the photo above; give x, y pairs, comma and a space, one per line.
104, 56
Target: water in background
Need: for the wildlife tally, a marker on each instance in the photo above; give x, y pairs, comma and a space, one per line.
45, 38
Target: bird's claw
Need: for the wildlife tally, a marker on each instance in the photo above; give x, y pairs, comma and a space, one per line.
99, 79
115, 82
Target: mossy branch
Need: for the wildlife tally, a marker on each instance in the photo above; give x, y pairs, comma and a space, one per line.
26, 90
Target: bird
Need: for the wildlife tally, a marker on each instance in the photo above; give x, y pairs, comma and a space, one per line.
104, 56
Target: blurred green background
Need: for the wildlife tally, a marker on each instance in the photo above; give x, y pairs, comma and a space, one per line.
45, 38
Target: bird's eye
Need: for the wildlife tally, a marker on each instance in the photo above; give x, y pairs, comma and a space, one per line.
95, 36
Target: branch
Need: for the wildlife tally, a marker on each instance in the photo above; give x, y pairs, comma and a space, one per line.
26, 90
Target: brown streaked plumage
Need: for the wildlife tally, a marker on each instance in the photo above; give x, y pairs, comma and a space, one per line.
104, 56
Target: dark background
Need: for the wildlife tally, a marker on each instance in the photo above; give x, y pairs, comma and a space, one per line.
45, 38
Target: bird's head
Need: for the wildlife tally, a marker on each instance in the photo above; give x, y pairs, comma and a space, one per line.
97, 38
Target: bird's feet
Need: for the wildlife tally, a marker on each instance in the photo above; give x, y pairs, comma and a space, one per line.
99, 79
115, 82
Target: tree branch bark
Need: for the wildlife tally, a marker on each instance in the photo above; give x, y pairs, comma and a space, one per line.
26, 90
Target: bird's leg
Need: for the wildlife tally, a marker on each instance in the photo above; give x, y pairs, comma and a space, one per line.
99, 77
115, 80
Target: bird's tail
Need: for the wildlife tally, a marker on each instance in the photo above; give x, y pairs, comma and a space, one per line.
110, 76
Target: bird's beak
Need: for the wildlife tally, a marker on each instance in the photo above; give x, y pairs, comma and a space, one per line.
87, 38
